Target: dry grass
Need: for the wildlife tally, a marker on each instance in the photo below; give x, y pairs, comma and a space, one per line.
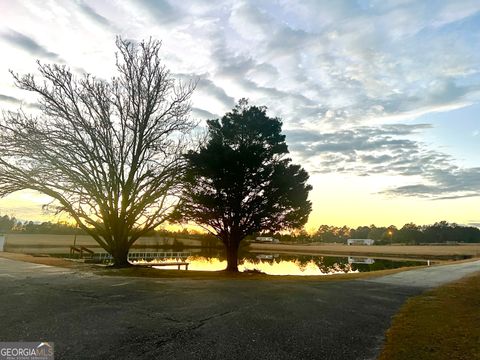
44, 260
50, 244
442, 324
411, 251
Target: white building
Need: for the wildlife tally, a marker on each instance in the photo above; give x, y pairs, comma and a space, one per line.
267, 239
360, 242
360, 260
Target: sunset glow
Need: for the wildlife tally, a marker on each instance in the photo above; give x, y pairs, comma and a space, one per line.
379, 100
280, 267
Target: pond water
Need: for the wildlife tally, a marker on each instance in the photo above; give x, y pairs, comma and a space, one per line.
290, 264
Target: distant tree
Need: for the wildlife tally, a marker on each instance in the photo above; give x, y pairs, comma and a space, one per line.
409, 233
48, 227
241, 180
389, 233
328, 234
470, 234
301, 236
376, 233
437, 233
344, 233
109, 153
30, 228
7, 223
360, 232
324, 233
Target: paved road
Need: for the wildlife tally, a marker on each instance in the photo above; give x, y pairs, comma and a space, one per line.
94, 317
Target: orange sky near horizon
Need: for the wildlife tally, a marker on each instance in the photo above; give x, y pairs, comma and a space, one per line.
337, 200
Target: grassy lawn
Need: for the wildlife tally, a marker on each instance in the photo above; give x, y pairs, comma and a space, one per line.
443, 323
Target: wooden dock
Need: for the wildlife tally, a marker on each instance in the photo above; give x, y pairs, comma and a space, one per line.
178, 263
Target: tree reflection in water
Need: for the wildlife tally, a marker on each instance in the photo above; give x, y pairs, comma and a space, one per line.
280, 264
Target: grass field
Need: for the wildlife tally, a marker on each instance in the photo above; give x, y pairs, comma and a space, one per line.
53, 244
442, 324
380, 250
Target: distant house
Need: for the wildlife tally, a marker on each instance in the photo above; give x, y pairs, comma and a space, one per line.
267, 239
360, 260
360, 242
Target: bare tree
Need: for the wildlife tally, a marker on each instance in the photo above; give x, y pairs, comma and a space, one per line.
109, 153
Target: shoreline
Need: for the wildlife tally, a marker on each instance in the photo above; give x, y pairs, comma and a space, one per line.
427, 252
148, 272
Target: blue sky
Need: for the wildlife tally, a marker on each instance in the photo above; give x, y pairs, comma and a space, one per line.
381, 93
456, 132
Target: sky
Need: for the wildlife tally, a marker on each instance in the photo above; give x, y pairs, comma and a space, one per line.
380, 100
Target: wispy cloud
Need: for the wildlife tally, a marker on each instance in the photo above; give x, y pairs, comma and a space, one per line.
368, 151
28, 44
14, 101
9, 99
92, 14
338, 73
160, 10
203, 114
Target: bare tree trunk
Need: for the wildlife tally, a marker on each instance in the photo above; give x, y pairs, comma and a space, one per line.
120, 255
232, 256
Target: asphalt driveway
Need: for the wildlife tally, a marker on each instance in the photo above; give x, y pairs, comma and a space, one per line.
98, 317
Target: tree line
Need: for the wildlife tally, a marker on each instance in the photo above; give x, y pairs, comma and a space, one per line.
439, 232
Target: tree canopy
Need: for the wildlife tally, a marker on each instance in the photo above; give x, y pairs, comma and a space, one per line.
242, 182
108, 152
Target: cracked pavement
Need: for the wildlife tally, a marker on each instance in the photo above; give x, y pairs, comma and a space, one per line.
101, 317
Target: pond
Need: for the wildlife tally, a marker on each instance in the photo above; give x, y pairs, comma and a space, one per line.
289, 264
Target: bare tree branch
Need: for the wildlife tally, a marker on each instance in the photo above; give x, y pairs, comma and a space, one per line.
108, 152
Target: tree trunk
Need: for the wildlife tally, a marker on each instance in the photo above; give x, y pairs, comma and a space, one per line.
120, 256
232, 256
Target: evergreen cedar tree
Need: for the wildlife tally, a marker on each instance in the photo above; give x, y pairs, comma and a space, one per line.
242, 182
109, 152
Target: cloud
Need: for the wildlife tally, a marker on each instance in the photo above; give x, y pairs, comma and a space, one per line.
203, 114
18, 102
160, 10
28, 44
366, 144
9, 99
454, 183
357, 61
92, 14
326, 64
209, 88
384, 150
330, 70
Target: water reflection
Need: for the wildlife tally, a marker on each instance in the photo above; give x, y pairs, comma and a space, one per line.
287, 264
296, 267
267, 265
